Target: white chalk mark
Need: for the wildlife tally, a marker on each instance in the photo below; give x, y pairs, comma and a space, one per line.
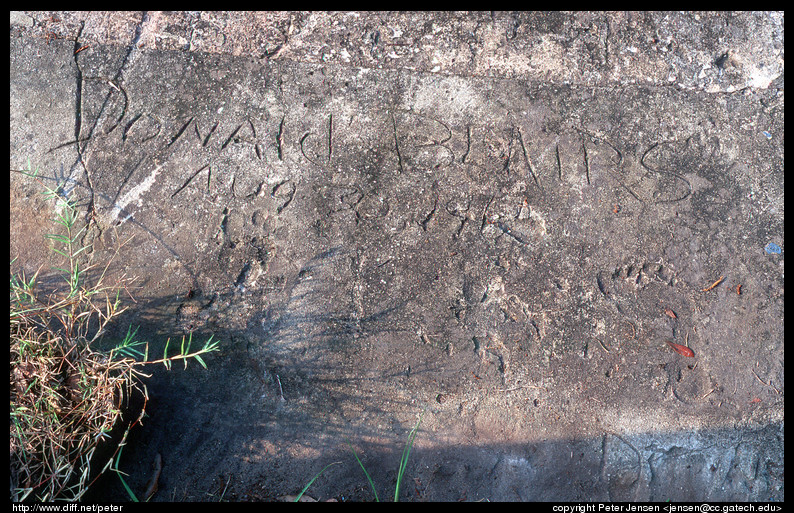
134, 195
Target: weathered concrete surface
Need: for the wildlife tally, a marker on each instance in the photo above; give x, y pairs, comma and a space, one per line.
499, 219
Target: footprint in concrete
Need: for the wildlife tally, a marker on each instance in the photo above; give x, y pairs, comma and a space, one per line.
689, 383
193, 313
623, 284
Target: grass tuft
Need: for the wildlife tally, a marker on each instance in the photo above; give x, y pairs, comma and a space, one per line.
66, 396
400, 470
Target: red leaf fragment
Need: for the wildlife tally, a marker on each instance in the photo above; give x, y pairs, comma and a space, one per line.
683, 350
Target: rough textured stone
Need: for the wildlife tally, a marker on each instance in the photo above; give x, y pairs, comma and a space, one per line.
512, 212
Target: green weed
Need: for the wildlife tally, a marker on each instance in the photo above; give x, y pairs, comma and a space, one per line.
400, 470
66, 396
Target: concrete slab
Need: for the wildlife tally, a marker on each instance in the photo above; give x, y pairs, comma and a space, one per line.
496, 219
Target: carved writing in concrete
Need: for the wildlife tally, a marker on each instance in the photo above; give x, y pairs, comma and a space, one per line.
240, 154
